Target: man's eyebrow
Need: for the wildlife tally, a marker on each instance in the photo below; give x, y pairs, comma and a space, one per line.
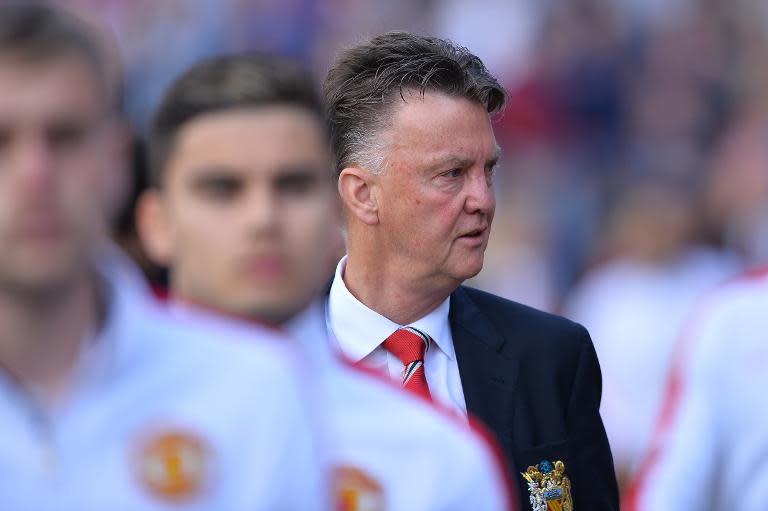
494, 159
458, 161
453, 161
213, 171
203, 176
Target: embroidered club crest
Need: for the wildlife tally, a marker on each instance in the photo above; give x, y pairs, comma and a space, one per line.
549, 487
173, 465
357, 491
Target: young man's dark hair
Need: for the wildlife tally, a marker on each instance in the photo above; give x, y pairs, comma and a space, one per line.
366, 80
223, 83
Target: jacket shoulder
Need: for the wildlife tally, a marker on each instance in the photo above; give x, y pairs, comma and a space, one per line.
525, 322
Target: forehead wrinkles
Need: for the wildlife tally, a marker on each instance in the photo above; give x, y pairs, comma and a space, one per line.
439, 126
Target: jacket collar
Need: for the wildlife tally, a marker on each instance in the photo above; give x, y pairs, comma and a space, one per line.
488, 365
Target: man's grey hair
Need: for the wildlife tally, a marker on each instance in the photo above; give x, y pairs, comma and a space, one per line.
366, 81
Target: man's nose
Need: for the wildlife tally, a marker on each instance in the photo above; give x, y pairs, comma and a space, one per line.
33, 164
480, 194
262, 210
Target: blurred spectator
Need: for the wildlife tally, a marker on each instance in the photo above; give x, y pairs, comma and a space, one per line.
513, 23
709, 448
737, 193
634, 301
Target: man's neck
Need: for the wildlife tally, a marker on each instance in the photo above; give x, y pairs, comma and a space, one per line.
399, 299
271, 319
43, 333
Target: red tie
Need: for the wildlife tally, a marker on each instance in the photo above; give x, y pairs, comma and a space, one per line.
409, 345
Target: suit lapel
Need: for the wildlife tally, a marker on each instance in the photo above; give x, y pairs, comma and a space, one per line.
488, 372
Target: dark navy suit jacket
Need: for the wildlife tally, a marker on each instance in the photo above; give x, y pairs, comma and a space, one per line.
533, 378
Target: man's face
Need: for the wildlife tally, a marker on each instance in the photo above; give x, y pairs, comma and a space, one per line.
250, 215
54, 153
436, 200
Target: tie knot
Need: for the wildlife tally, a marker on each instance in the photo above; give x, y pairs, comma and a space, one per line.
407, 344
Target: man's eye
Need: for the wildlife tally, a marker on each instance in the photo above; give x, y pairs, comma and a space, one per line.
453, 173
66, 135
219, 188
298, 184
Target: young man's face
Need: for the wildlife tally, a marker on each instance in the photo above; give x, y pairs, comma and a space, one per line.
248, 218
436, 200
56, 150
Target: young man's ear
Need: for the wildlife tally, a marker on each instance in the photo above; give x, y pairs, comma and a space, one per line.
356, 188
153, 227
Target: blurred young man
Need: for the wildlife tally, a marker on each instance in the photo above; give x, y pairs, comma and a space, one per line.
245, 214
106, 402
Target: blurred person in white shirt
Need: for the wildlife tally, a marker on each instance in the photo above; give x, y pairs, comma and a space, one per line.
709, 447
108, 402
634, 303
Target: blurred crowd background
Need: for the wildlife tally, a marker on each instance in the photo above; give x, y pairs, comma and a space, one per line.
634, 173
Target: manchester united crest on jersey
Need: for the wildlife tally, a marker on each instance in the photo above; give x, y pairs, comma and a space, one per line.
357, 491
173, 465
549, 487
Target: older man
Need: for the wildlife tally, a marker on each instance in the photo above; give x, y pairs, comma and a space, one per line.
410, 121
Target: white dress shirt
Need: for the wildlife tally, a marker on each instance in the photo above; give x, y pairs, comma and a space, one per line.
358, 331
420, 458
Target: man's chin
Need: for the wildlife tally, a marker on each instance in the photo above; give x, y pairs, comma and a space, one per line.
270, 310
40, 282
469, 268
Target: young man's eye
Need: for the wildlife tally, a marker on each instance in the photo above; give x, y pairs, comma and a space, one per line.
219, 188
297, 184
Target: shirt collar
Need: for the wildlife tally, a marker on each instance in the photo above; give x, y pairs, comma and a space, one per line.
359, 330
125, 300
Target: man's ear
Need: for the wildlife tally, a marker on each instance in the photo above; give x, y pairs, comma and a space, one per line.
154, 227
356, 191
